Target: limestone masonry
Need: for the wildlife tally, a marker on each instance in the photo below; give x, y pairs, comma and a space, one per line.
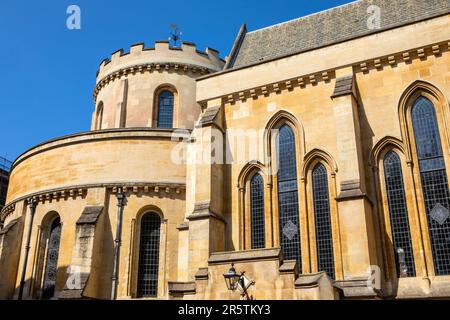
315, 157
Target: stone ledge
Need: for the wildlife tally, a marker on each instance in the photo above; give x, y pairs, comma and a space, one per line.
202, 274
183, 226
344, 86
310, 280
9, 226
90, 215
208, 117
289, 266
76, 293
244, 256
357, 288
182, 287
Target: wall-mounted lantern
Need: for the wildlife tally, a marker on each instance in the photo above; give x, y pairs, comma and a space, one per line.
239, 282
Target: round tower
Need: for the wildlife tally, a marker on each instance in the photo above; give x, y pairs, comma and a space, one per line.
151, 87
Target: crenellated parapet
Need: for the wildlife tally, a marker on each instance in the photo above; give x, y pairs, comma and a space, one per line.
161, 57
127, 83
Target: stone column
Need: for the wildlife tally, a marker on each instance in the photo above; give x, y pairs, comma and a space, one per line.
354, 206
32, 203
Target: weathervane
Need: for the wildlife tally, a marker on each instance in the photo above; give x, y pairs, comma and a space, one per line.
175, 35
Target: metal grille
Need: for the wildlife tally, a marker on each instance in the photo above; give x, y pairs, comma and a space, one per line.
149, 255
434, 182
51, 264
288, 196
398, 213
324, 235
165, 110
257, 212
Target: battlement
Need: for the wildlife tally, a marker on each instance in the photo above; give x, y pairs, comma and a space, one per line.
162, 53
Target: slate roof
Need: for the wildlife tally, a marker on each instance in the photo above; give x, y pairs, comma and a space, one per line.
328, 27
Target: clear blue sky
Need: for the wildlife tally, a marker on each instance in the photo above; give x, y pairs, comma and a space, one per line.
48, 71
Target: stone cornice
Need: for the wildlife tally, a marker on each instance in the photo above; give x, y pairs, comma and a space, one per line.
245, 256
364, 67
149, 67
80, 191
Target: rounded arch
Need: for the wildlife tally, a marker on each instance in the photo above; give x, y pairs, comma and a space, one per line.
99, 116
149, 209
166, 87
316, 156
415, 90
49, 218
382, 147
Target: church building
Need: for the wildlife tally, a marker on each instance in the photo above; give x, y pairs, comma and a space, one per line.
311, 163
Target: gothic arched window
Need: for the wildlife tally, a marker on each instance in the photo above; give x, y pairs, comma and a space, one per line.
434, 181
288, 196
398, 214
165, 109
51, 261
149, 255
257, 212
322, 218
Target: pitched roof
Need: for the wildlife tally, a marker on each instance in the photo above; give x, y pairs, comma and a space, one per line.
328, 27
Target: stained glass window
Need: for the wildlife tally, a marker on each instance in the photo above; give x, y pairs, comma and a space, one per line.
434, 181
257, 212
165, 110
288, 196
398, 214
322, 218
149, 255
51, 264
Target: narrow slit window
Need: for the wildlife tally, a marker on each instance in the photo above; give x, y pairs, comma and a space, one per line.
288, 206
322, 218
398, 214
257, 212
149, 256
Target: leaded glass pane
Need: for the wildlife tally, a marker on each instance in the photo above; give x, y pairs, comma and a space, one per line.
257, 212
149, 255
288, 196
324, 235
51, 264
398, 214
165, 110
434, 181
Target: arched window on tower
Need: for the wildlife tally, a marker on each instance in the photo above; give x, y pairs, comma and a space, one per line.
398, 214
149, 255
165, 110
434, 181
322, 218
288, 206
257, 212
51, 261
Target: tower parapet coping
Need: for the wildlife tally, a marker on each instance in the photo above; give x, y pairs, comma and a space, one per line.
160, 53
